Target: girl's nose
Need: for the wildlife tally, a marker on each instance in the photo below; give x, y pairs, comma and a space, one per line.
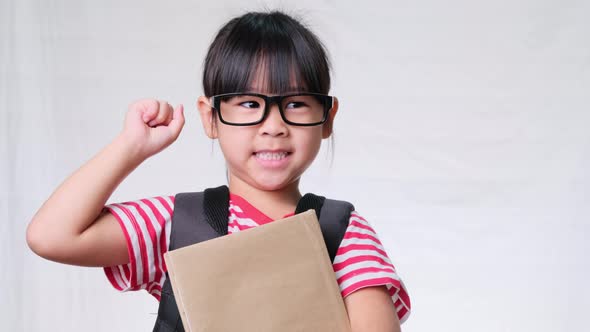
273, 124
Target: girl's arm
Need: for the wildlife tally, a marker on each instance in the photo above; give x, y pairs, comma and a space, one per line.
71, 226
371, 309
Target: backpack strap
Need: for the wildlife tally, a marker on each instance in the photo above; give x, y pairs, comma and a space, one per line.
216, 208
197, 217
310, 201
333, 216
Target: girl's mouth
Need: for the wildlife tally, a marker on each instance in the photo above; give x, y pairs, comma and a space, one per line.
269, 155
272, 159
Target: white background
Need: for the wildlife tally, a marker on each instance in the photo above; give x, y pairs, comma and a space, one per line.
463, 137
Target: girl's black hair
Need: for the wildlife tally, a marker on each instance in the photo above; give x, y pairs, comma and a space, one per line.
274, 43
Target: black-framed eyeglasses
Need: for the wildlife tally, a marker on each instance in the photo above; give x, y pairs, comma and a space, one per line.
247, 109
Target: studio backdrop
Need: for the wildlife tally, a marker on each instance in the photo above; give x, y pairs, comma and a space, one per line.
463, 137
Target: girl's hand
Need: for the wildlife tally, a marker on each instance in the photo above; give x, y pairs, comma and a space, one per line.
152, 125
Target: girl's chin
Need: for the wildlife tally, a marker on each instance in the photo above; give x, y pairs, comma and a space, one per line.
273, 183
271, 186
272, 180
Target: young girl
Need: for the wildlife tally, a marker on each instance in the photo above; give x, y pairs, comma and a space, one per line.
266, 81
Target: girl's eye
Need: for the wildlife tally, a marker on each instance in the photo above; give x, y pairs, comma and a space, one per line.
250, 104
295, 104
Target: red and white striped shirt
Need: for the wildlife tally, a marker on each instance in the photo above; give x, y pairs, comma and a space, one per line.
361, 260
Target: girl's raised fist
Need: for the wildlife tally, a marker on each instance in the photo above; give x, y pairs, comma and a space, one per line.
152, 125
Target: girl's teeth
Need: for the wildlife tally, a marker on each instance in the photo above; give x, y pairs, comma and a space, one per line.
271, 156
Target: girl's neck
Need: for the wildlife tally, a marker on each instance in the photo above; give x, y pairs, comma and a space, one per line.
275, 204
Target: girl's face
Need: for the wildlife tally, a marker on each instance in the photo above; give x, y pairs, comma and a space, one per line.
268, 156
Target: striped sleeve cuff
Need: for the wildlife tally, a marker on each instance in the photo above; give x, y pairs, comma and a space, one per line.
145, 224
361, 261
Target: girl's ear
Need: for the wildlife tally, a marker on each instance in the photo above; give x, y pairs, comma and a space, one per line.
206, 112
329, 124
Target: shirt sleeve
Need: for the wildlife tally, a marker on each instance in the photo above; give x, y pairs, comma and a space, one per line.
361, 261
146, 226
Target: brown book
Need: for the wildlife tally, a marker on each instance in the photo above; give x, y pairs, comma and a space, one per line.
274, 277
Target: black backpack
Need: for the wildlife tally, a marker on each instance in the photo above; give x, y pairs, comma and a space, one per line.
201, 216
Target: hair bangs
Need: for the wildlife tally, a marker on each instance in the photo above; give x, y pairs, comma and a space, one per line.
275, 71
265, 52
